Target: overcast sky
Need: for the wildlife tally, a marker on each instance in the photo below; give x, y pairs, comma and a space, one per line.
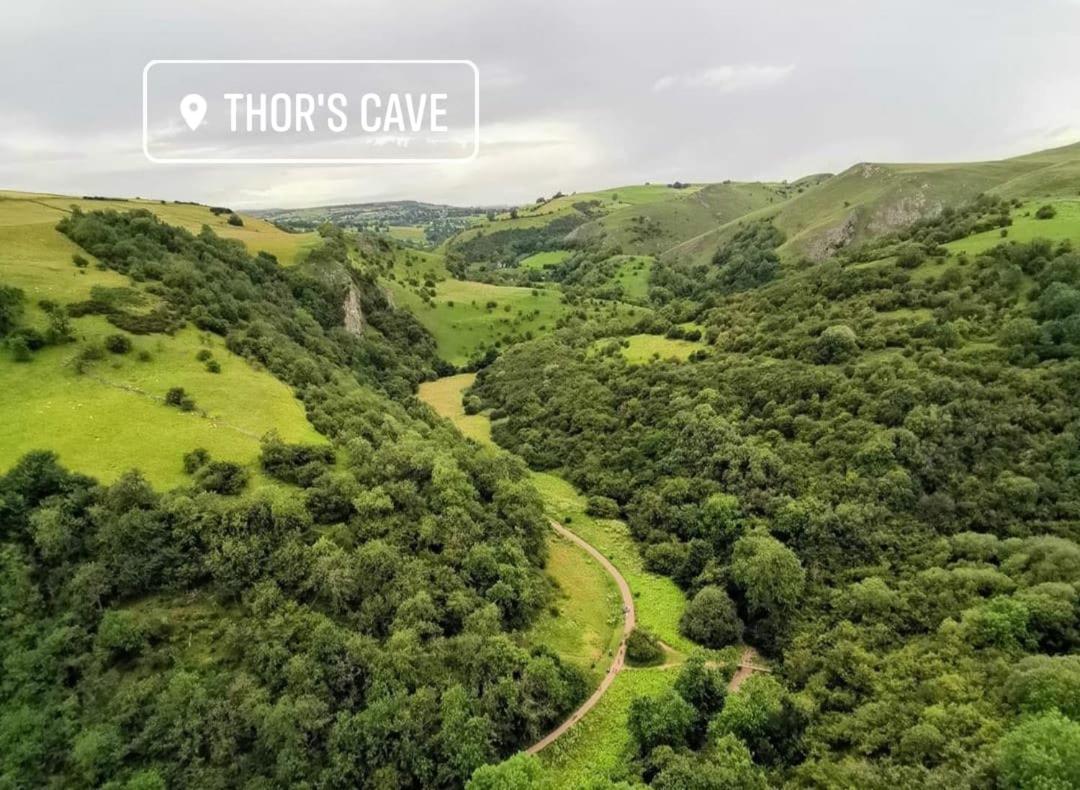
575, 95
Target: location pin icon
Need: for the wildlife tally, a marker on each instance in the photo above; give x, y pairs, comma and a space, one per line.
193, 108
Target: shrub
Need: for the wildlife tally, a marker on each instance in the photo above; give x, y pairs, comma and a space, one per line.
119, 634
222, 477
1046, 212
175, 395
204, 354
299, 464
213, 366
234, 219
11, 307
836, 344
118, 344
195, 460
20, 349
711, 619
643, 648
472, 404
602, 507
79, 261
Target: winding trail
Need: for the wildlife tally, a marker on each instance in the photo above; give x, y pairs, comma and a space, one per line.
619, 662
447, 402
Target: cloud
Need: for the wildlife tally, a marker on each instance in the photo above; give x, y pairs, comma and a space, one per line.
728, 79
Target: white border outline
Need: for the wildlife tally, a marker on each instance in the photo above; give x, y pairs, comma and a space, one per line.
308, 160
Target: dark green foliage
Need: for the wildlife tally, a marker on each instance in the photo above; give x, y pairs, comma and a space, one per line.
59, 328
744, 262
299, 464
667, 720
213, 366
178, 397
643, 648
602, 507
118, 344
879, 470
235, 220
711, 619
195, 460
505, 246
188, 639
749, 259
1046, 212
221, 477
11, 308
837, 344
20, 349
80, 261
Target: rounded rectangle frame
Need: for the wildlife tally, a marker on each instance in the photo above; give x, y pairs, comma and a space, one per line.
311, 160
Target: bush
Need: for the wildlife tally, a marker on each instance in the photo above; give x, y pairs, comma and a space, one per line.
20, 349
213, 366
118, 344
119, 634
602, 507
234, 219
204, 354
195, 460
79, 261
1046, 212
836, 344
11, 308
299, 464
711, 619
222, 477
175, 396
643, 648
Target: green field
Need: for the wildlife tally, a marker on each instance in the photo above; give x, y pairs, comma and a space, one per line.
541, 260
640, 349
1065, 225
468, 317
615, 198
652, 228
410, 233
633, 276
111, 418
586, 624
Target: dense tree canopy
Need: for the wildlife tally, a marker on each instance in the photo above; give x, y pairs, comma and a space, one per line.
355, 630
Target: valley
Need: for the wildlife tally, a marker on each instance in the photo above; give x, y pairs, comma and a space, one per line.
409, 495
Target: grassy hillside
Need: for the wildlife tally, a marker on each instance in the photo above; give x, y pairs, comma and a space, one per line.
111, 416
21, 209
654, 227
869, 199
466, 317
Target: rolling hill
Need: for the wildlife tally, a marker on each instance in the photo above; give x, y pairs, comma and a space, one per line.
869, 199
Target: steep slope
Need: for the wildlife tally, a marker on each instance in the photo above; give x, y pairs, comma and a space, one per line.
652, 228
869, 199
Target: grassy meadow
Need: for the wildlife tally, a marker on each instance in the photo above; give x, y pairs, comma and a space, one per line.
112, 418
